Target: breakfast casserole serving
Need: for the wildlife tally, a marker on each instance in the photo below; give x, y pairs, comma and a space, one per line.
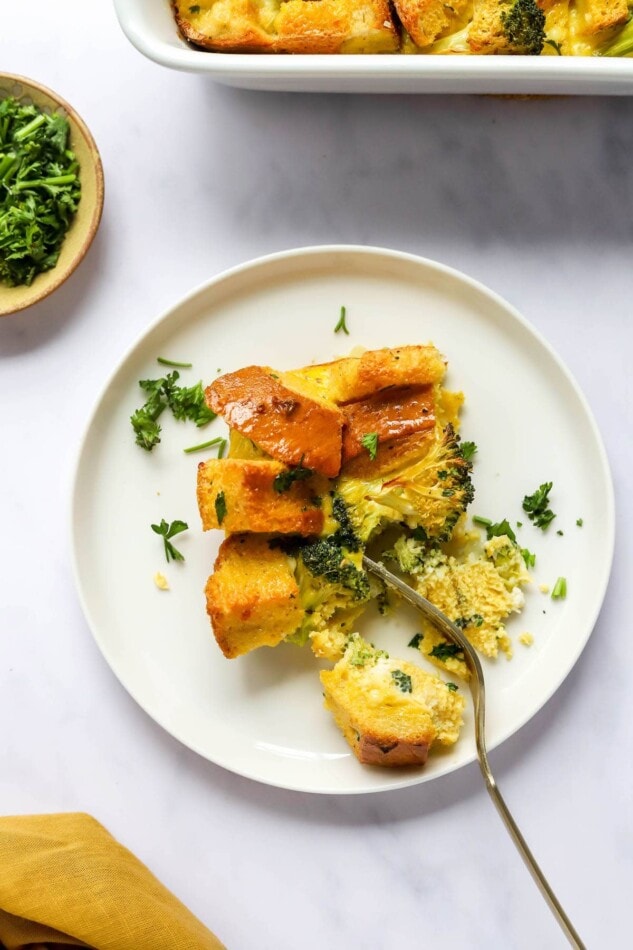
323, 462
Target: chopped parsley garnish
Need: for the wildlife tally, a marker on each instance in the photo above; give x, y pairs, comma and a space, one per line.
579, 522
220, 506
342, 325
165, 362
536, 506
452, 686
443, 651
484, 522
220, 442
370, 442
528, 557
559, 591
189, 403
195, 8
468, 450
560, 533
495, 530
402, 681
284, 480
40, 190
416, 641
476, 620
168, 531
184, 402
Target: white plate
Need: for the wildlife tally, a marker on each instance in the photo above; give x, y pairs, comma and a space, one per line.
262, 715
151, 28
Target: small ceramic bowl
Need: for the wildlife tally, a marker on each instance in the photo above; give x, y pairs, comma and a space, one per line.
88, 216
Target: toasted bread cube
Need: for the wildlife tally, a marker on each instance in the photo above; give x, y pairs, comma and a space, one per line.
392, 414
390, 711
425, 20
290, 426
593, 16
296, 26
335, 26
391, 455
357, 377
252, 596
250, 501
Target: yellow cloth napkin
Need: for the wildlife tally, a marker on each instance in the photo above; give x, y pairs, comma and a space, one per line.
65, 882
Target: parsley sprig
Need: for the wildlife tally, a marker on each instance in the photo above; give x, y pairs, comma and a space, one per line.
370, 442
185, 402
168, 531
536, 506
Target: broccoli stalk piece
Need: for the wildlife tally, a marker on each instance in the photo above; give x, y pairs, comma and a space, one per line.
619, 45
429, 492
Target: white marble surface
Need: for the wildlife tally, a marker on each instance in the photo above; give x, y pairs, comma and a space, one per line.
532, 197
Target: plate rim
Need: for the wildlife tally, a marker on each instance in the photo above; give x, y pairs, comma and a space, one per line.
314, 251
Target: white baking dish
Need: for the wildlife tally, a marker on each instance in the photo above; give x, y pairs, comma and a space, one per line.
150, 26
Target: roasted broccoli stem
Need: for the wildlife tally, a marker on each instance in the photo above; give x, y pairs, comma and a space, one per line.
428, 493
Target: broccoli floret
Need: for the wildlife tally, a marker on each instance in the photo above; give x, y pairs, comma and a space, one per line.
345, 535
619, 45
508, 561
414, 557
333, 587
523, 24
430, 493
360, 653
327, 561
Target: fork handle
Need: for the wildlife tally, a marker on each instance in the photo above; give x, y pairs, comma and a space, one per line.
528, 858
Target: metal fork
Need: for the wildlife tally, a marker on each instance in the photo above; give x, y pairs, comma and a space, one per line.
477, 688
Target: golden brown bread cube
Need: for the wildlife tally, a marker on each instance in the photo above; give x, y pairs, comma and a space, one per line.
425, 20
596, 15
389, 710
293, 26
357, 377
391, 455
252, 596
289, 426
250, 501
